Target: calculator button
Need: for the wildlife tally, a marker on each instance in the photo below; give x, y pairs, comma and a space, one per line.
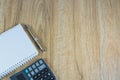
29, 75
41, 67
37, 64
38, 74
35, 77
30, 68
42, 72
33, 66
41, 79
52, 78
36, 70
48, 74
32, 72
40, 61
45, 76
31, 78
26, 71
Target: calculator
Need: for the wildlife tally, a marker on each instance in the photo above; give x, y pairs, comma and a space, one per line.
39, 70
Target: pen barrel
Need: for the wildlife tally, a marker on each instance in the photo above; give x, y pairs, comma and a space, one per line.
35, 38
39, 45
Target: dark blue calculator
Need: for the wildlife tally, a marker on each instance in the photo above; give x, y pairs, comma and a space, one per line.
39, 70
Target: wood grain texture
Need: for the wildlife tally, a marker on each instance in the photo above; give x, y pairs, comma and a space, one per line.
82, 37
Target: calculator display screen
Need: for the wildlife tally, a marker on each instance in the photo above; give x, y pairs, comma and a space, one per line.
20, 77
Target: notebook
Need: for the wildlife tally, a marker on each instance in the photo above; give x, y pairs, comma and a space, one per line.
16, 48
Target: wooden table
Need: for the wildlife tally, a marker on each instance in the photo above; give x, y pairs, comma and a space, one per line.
82, 37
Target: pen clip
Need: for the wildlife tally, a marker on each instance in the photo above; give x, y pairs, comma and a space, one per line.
35, 38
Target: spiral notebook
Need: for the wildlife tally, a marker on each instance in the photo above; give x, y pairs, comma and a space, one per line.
16, 48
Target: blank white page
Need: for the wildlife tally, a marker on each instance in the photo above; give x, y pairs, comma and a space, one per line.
15, 48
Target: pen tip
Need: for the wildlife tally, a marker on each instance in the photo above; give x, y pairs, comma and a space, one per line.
27, 26
43, 50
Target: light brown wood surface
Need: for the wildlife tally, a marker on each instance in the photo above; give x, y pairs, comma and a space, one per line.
82, 37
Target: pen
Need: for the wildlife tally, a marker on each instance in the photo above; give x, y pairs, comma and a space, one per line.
35, 38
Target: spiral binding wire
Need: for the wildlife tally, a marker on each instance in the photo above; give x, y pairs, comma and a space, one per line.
17, 65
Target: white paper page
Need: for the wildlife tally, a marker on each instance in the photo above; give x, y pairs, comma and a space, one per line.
15, 46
